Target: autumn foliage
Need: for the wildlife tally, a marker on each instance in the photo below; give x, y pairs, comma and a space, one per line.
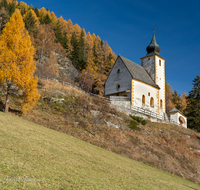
91, 56
16, 63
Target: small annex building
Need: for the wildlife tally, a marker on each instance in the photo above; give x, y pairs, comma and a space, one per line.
143, 85
178, 117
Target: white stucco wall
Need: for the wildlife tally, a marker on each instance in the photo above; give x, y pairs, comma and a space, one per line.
140, 89
123, 78
160, 78
175, 117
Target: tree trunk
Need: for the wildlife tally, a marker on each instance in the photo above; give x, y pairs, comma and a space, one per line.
7, 100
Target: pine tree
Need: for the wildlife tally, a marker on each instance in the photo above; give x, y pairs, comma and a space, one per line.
11, 8
82, 62
65, 42
31, 7
45, 19
4, 4
75, 52
16, 63
36, 11
31, 22
193, 105
23, 7
58, 33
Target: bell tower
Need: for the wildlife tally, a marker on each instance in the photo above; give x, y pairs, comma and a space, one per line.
154, 64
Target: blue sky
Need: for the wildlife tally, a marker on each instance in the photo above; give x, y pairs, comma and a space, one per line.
127, 26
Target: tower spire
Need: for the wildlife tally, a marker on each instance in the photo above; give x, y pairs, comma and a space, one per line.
153, 47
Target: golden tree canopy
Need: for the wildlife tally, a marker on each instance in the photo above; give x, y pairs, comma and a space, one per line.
16, 62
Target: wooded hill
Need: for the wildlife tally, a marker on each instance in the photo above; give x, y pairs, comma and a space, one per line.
51, 36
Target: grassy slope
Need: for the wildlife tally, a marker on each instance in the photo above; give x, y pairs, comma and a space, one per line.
60, 161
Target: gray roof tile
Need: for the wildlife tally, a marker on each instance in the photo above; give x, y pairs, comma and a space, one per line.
176, 110
138, 72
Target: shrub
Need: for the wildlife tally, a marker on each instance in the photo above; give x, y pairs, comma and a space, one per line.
139, 119
144, 122
133, 125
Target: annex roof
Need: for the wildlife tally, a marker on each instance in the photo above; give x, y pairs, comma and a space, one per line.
176, 110
138, 72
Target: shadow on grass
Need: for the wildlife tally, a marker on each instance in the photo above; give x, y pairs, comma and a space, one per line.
2, 106
15, 111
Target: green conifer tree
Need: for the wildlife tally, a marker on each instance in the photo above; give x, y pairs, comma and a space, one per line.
30, 23
11, 8
4, 4
58, 33
82, 62
193, 105
36, 11
45, 20
65, 42
31, 7
75, 52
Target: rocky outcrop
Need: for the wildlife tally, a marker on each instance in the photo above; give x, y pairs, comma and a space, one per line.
66, 68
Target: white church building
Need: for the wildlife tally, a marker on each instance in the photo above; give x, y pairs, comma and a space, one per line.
143, 85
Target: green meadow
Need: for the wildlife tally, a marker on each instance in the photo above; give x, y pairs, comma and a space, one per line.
35, 157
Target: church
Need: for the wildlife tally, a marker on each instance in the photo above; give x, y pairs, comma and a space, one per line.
143, 85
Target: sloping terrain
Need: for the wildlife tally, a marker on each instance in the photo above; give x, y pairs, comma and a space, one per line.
68, 110
35, 157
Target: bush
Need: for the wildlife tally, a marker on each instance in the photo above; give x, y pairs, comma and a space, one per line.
133, 125
144, 122
139, 119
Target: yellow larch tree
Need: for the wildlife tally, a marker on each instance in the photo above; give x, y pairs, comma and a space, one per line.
53, 19
168, 98
183, 101
77, 30
23, 7
69, 28
16, 63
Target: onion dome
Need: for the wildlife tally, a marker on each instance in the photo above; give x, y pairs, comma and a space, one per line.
153, 47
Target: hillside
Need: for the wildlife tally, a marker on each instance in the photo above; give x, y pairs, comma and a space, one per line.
88, 118
54, 160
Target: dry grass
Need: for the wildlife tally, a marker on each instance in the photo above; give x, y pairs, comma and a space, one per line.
54, 160
167, 147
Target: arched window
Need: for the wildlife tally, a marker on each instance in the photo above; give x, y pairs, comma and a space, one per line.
161, 104
159, 62
152, 102
118, 86
143, 100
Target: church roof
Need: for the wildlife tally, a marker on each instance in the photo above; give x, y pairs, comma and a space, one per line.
138, 72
